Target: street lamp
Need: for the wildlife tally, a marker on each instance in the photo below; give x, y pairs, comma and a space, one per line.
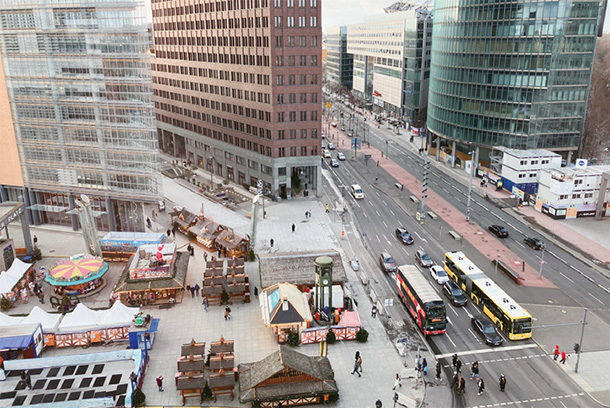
212, 160
387, 149
542, 249
469, 187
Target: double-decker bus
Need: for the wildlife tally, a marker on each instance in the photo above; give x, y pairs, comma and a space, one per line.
506, 314
422, 301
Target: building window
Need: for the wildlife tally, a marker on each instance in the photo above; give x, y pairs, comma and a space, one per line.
313, 21
280, 135
266, 169
281, 171
290, 3
563, 197
290, 21
575, 195
301, 3
281, 152
313, 3
278, 21
523, 162
314, 60
534, 162
293, 151
314, 115
577, 182
277, 3
588, 195
314, 41
314, 133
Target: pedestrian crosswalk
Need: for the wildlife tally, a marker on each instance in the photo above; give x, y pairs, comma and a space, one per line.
498, 360
531, 402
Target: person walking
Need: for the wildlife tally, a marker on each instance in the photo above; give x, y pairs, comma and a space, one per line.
455, 381
474, 369
293, 227
197, 287
192, 291
356, 366
149, 223
160, 383
205, 255
502, 382
27, 380
563, 357
397, 382
327, 208
425, 366
556, 353
438, 370
168, 233
374, 311
205, 302
309, 213
454, 360
481, 386
359, 361
227, 313
174, 233
271, 242
256, 292
462, 387
458, 366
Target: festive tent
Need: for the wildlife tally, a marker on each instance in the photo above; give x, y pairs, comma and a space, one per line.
81, 319
9, 278
6, 320
49, 321
118, 315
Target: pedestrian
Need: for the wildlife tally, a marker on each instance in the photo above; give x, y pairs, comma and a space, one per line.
462, 386
474, 369
205, 256
227, 313
425, 366
293, 227
563, 357
28, 380
455, 380
458, 366
271, 242
397, 382
481, 386
205, 302
174, 233
359, 360
374, 311
327, 208
149, 223
502, 382
160, 383
356, 367
192, 291
41, 297
438, 370
556, 353
256, 292
35, 240
309, 213
168, 233
197, 287
454, 360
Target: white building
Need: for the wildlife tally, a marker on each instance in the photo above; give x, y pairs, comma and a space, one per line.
572, 192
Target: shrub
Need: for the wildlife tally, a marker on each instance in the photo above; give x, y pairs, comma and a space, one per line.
191, 235
207, 392
255, 404
251, 255
293, 338
224, 297
362, 336
138, 397
5, 304
331, 337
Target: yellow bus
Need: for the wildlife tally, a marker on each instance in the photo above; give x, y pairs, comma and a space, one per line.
506, 314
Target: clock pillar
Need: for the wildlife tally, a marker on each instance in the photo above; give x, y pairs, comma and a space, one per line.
324, 282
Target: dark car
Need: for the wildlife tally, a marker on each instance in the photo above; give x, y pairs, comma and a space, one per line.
485, 328
534, 243
404, 236
387, 262
423, 259
453, 292
499, 231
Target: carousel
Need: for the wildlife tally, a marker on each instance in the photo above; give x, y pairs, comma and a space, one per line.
78, 275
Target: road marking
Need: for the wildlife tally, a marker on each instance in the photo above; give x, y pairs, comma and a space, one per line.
498, 404
452, 309
446, 191
607, 290
383, 201
482, 351
595, 298
510, 225
498, 217
473, 335
561, 273
448, 337
392, 213
523, 246
386, 225
377, 236
365, 214
377, 212
376, 192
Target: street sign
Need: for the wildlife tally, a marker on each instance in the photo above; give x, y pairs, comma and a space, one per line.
329, 105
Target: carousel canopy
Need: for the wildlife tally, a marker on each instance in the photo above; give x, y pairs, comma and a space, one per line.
9, 278
76, 271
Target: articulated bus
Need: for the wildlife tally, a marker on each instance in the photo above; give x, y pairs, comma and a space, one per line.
506, 314
421, 300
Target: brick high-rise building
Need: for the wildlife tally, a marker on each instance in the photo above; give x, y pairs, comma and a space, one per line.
237, 88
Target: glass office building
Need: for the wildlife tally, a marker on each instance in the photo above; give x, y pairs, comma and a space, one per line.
79, 82
339, 64
512, 73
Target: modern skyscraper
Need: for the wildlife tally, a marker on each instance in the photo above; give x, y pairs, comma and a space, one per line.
512, 73
237, 88
392, 60
80, 89
339, 64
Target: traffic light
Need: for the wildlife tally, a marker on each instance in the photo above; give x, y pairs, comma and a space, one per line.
576, 348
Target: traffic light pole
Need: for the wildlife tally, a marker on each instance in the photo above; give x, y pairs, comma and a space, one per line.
578, 347
422, 214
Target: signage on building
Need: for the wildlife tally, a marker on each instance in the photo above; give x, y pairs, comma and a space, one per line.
581, 163
377, 94
11, 216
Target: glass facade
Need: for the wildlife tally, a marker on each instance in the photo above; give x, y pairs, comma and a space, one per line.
79, 81
512, 73
339, 64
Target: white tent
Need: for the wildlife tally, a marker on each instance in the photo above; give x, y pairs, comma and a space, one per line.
81, 319
118, 315
6, 320
49, 321
9, 278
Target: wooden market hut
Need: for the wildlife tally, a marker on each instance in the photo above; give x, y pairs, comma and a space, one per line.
235, 244
207, 231
288, 377
285, 308
162, 289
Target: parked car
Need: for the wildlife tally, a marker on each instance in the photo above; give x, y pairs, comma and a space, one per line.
357, 191
387, 262
534, 243
334, 163
333, 124
487, 330
331, 146
340, 156
423, 259
439, 274
454, 293
498, 231
404, 236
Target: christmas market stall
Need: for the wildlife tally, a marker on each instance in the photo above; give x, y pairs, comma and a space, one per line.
155, 274
232, 244
14, 281
77, 275
285, 308
119, 246
21, 341
288, 378
49, 322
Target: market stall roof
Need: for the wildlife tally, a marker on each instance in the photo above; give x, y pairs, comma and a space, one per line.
49, 321
297, 268
118, 315
17, 337
135, 239
229, 239
6, 320
10, 277
350, 319
284, 303
81, 318
176, 281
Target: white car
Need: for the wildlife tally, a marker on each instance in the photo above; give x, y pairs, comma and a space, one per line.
357, 192
326, 154
334, 163
340, 156
439, 274
331, 146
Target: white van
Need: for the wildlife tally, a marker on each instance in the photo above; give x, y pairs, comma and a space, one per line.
357, 192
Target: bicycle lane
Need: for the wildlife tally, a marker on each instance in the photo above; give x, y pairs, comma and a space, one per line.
474, 234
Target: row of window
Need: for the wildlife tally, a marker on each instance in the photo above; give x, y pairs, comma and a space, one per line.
209, 24
301, 22
575, 196
223, 75
290, 3
203, 41
233, 59
261, 97
292, 116
292, 98
292, 79
214, 6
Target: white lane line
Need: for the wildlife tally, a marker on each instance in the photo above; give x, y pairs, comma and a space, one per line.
377, 212
386, 225
358, 205
595, 298
510, 225
377, 236
452, 309
365, 214
498, 217
606, 289
444, 189
522, 246
575, 268
561, 273
383, 201
377, 192
489, 350
473, 335
393, 213
449, 338
404, 249
418, 236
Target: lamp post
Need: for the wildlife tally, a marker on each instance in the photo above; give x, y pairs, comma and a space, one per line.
542, 249
387, 144
469, 188
212, 160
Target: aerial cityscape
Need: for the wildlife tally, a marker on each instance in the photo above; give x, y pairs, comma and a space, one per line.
273, 203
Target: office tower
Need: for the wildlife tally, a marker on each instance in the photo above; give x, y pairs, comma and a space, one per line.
237, 89
80, 89
391, 61
512, 73
339, 64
